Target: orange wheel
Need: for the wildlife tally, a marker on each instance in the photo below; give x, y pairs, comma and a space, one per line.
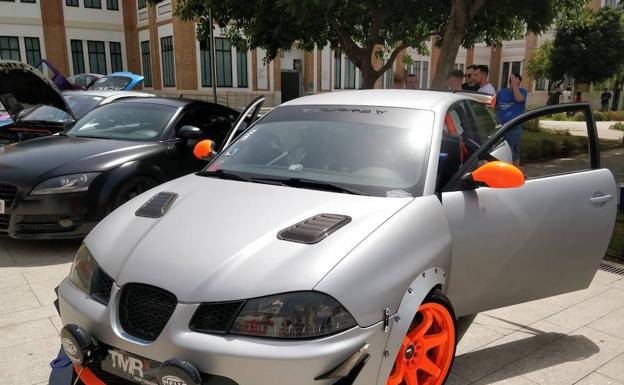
428, 349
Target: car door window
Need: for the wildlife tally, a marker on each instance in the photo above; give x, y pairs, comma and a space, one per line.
454, 149
484, 121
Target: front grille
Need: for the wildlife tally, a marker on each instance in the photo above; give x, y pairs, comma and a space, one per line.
32, 224
215, 317
7, 193
145, 310
101, 287
4, 222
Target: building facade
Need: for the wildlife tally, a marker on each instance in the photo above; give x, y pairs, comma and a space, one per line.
104, 36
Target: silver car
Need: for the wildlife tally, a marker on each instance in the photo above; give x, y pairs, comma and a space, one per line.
336, 240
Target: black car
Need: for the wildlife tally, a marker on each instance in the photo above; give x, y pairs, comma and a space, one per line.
60, 186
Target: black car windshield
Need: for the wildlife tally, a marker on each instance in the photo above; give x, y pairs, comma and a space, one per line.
111, 83
79, 105
377, 151
125, 121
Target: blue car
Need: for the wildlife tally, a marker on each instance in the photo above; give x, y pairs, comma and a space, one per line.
117, 81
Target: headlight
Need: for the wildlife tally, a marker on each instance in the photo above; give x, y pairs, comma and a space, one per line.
66, 184
293, 315
83, 269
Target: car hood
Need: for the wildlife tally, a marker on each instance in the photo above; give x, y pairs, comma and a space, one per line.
218, 241
28, 163
29, 88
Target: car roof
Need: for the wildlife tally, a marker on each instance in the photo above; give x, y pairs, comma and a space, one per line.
416, 99
173, 102
108, 94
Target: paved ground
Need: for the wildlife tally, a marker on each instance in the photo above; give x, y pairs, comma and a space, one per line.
576, 338
580, 128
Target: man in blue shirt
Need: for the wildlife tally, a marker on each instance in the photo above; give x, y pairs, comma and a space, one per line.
511, 102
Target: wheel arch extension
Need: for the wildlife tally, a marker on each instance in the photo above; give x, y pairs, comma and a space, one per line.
399, 323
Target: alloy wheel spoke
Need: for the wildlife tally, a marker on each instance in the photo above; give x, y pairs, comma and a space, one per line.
420, 330
434, 340
410, 377
427, 366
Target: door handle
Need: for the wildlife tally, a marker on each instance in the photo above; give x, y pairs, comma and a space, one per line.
602, 199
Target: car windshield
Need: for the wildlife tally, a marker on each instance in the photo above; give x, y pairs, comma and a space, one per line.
111, 83
377, 151
125, 121
79, 105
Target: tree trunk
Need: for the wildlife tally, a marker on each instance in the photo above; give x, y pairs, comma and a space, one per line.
369, 78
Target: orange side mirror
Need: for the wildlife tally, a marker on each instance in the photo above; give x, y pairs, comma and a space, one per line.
204, 150
499, 175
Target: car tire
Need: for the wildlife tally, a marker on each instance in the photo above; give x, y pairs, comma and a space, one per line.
428, 350
131, 188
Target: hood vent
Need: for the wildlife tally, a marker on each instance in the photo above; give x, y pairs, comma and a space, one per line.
315, 229
157, 206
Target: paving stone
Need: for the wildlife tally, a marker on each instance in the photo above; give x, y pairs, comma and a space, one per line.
598, 379
475, 337
44, 273
589, 311
525, 314
612, 323
569, 359
501, 326
570, 299
603, 278
453, 379
28, 363
57, 322
21, 316
11, 276
44, 290
618, 284
614, 368
17, 298
489, 358
502, 380
26, 332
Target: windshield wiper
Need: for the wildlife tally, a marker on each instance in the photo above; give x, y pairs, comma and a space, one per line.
310, 183
222, 174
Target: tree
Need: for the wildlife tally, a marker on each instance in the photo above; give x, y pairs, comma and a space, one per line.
367, 29
490, 21
539, 65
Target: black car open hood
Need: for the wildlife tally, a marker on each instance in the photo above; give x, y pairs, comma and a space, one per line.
28, 87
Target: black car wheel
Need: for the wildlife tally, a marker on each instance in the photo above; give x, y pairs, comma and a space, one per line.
133, 187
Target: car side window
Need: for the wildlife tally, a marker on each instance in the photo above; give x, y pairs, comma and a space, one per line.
454, 148
484, 120
214, 122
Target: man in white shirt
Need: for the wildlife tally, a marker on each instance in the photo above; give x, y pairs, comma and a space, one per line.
481, 76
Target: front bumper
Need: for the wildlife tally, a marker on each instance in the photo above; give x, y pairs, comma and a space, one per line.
242, 360
54, 216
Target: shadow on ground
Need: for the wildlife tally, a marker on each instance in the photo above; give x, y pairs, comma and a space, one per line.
31, 253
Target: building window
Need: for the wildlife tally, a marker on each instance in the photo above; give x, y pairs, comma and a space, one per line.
349, 82
205, 66
97, 57
28, 1
33, 51
142, 4
508, 69
9, 48
540, 84
168, 65
71, 3
146, 61
223, 58
93, 4
241, 70
424, 78
337, 69
112, 5
115, 56
77, 56
388, 78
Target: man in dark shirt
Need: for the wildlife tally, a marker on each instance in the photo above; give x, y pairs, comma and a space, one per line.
470, 84
605, 97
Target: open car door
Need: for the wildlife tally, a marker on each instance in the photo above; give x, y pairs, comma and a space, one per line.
244, 120
545, 238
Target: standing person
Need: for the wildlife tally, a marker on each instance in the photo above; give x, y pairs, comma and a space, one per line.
511, 102
605, 97
411, 82
578, 98
481, 78
398, 80
454, 80
567, 95
469, 84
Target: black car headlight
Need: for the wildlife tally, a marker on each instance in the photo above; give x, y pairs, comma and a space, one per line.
292, 315
83, 269
65, 184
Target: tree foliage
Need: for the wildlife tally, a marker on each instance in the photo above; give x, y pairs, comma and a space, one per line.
539, 65
365, 29
590, 47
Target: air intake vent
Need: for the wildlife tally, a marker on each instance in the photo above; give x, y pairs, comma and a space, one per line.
145, 310
157, 206
315, 229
